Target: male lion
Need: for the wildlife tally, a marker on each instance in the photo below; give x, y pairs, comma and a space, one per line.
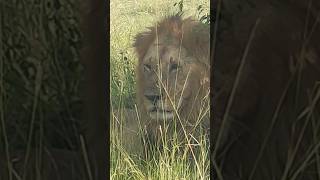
266, 88
173, 75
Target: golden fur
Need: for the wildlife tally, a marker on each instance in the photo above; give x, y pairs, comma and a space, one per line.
173, 71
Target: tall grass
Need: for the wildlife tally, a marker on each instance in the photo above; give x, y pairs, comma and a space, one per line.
40, 77
174, 159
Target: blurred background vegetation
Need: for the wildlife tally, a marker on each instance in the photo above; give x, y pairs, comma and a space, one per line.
40, 73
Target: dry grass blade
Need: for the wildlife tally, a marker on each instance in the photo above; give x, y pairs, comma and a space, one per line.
38, 82
234, 88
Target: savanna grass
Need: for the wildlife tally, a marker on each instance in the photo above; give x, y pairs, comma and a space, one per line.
173, 159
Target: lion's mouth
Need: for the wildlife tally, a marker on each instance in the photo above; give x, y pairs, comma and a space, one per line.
156, 113
160, 112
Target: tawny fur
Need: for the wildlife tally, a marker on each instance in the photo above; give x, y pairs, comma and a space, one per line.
181, 40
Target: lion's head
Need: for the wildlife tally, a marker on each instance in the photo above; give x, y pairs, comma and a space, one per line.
173, 68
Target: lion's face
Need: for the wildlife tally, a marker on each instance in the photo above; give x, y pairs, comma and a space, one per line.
172, 73
169, 78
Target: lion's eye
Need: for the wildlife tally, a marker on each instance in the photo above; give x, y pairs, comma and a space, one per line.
174, 67
147, 68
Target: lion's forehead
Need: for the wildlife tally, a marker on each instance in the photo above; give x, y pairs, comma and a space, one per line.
165, 52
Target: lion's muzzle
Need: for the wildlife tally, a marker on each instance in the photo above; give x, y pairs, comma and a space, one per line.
159, 108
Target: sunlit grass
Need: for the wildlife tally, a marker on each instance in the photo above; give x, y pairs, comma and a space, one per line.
174, 160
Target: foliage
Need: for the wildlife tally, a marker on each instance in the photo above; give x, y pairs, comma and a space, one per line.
41, 73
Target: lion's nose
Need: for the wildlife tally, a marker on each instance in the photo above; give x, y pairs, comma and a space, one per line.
153, 98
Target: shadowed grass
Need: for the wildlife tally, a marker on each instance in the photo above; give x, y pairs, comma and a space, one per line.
292, 168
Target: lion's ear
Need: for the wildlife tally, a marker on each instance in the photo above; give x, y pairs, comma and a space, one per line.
142, 41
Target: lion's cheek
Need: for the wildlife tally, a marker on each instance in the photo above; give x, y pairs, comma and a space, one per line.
192, 87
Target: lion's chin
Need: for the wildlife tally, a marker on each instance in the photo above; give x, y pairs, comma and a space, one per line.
161, 115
